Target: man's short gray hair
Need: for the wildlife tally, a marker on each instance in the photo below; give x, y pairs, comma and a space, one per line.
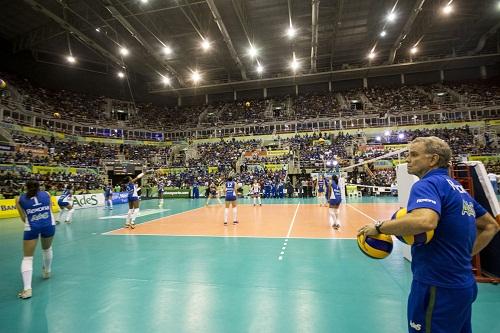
435, 145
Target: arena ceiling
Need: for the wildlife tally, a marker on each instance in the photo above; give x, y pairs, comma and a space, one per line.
330, 35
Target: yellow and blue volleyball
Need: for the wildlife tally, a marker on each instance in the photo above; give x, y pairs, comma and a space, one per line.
375, 246
3, 84
418, 239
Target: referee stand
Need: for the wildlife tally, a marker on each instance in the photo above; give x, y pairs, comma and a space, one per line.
472, 176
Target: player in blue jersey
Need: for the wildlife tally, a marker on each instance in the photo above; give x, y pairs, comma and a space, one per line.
196, 190
65, 202
133, 200
230, 190
443, 287
34, 208
108, 196
334, 200
320, 191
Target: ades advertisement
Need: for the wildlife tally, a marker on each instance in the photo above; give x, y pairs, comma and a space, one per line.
88, 200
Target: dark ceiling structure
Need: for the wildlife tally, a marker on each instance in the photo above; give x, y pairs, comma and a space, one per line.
330, 35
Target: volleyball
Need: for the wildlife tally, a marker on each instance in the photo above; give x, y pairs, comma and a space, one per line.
375, 246
418, 239
247, 104
57, 115
3, 84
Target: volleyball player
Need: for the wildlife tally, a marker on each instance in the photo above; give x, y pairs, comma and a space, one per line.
334, 200
230, 190
65, 203
108, 196
34, 208
320, 191
212, 194
161, 189
133, 200
256, 192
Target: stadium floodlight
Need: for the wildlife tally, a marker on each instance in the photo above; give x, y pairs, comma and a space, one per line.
252, 51
165, 80
121, 75
387, 133
260, 69
498, 5
167, 50
401, 136
124, 51
378, 138
98, 29
205, 44
447, 9
371, 55
144, 1
291, 32
294, 65
71, 59
195, 76
391, 17
414, 50
383, 33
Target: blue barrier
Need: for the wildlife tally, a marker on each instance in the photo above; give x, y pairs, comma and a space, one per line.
120, 197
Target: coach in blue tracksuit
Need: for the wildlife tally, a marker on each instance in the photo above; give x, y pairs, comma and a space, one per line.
443, 287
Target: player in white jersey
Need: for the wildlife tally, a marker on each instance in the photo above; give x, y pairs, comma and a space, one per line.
320, 190
256, 192
161, 190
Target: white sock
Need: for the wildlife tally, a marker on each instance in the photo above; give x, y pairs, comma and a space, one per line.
260, 202
129, 215
61, 214
333, 218
110, 204
336, 212
254, 200
27, 271
226, 214
47, 259
135, 214
235, 214
70, 215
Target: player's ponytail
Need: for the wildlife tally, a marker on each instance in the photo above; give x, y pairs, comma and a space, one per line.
32, 188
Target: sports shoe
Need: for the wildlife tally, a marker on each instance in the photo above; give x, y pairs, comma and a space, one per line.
127, 225
132, 225
235, 222
58, 222
25, 294
67, 222
336, 226
225, 223
45, 274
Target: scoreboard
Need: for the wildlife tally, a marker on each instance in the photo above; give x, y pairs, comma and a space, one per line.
124, 169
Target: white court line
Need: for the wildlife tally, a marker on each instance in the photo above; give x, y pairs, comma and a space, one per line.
371, 218
230, 236
288, 235
293, 221
163, 217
